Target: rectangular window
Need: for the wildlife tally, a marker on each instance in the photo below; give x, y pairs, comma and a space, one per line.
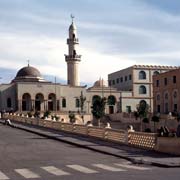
174, 79
113, 82
117, 80
165, 81
157, 83
175, 107
128, 109
158, 108
130, 77
121, 79
125, 78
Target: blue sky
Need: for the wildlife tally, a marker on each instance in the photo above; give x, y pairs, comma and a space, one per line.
113, 34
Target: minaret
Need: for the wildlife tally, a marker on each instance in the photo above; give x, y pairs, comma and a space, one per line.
72, 58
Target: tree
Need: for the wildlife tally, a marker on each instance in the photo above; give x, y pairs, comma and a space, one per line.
142, 111
155, 119
82, 101
98, 108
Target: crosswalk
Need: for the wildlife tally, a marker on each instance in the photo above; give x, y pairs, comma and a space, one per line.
71, 169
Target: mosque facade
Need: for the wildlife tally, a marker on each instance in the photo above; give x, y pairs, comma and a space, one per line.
29, 91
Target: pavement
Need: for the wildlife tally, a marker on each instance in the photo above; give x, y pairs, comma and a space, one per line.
135, 155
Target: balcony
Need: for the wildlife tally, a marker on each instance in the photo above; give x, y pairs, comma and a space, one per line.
73, 57
73, 41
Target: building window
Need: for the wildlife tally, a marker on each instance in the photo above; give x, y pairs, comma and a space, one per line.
155, 73
158, 108
121, 79
175, 95
175, 107
158, 97
142, 90
166, 108
128, 109
142, 75
125, 78
130, 77
77, 103
157, 83
109, 82
174, 79
63, 102
113, 81
117, 80
165, 81
9, 103
166, 96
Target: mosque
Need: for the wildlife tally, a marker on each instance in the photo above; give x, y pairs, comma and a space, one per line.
29, 91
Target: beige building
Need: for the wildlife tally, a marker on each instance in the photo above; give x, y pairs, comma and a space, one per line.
29, 91
135, 84
167, 92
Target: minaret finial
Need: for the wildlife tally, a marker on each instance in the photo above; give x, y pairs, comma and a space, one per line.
72, 17
28, 62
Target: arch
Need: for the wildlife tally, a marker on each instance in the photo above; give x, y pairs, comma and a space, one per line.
51, 102
175, 94
142, 89
158, 97
142, 75
111, 100
166, 96
26, 102
95, 97
39, 99
77, 103
156, 73
9, 102
64, 103
143, 105
111, 103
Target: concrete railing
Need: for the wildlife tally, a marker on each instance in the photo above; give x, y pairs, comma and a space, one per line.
138, 139
144, 140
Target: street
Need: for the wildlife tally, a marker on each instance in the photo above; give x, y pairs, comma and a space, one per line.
24, 155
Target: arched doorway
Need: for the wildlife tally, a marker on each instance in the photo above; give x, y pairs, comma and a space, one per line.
95, 97
52, 102
39, 99
111, 103
26, 102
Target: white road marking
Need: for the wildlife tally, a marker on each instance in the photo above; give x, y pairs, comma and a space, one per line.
27, 173
108, 168
3, 176
82, 169
55, 171
132, 167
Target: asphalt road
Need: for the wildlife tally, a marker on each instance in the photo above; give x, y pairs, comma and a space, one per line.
24, 155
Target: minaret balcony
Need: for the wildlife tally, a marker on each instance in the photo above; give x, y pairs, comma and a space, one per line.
73, 57
73, 41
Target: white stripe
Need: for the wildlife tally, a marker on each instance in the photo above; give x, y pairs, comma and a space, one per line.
109, 168
132, 167
27, 173
82, 169
3, 176
55, 171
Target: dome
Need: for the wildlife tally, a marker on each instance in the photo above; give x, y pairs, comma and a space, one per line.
28, 74
28, 71
100, 83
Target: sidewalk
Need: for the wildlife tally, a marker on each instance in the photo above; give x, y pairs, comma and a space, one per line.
132, 154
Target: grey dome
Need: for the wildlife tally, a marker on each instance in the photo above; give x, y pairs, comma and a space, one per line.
28, 71
28, 74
